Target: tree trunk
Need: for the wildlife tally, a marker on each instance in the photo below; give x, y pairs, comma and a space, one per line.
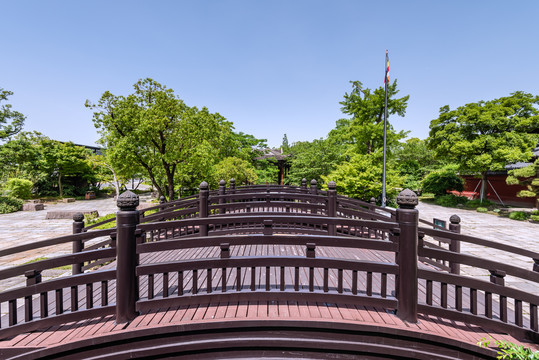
483, 193
60, 188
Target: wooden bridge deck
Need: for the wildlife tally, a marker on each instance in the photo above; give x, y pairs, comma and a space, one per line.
230, 311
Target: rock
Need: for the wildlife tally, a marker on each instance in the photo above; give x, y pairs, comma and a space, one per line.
68, 214
33, 206
68, 200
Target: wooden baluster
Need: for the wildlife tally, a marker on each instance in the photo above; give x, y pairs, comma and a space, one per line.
253, 278
473, 301
383, 285
89, 296
104, 293
282, 283
12, 312
339, 281
497, 277
444, 295
32, 277
151, 286
296, 278
165, 284
180, 283
268, 278
44, 304
59, 301
518, 313
429, 292
74, 298
488, 304
354, 282
326, 280
458, 297
533, 317
238, 279
209, 279
369, 283
194, 290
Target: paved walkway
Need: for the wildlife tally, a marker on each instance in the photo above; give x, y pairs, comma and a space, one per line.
503, 230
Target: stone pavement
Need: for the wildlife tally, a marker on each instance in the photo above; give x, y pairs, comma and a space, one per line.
503, 230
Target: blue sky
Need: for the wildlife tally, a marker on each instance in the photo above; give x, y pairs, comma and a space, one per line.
270, 67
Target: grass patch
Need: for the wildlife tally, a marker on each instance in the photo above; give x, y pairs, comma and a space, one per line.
481, 209
450, 200
90, 219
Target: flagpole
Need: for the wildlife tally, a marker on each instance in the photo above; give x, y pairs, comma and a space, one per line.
386, 80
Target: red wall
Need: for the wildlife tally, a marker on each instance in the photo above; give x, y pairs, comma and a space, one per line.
508, 193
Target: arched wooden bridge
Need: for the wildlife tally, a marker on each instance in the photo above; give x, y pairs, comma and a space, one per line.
265, 272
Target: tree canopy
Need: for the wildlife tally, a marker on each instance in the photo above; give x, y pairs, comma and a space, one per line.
153, 131
487, 135
11, 122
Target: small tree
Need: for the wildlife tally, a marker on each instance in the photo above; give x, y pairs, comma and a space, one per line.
529, 177
234, 168
441, 181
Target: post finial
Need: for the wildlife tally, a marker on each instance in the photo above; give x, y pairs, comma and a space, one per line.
407, 199
78, 217
332, 185
203, 185
127, 201
454, 219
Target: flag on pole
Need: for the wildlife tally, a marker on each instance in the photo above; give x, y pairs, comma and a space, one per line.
386, 79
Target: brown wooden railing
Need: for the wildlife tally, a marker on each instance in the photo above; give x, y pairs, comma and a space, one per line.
302, 218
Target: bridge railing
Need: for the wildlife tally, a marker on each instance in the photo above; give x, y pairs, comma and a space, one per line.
308, 221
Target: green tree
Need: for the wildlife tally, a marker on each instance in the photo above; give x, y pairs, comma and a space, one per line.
414, 161
487, 135
234, 168
285, 145
527, 176
365, 130
361, 177
62, 160
154, 130
313, 160
11, 122
20, 157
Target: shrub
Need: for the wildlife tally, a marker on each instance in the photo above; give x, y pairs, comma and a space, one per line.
9, 204
19, 188
518, 215
534, 212
481, 209
440, 181
450, 200
509, 350
472, 204
535, 217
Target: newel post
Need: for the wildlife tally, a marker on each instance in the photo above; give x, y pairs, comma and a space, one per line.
127, 219
203, 207
222, 192
454, 245
407, 217
232, 189
304, 184
332, 206
78, 246
314, 188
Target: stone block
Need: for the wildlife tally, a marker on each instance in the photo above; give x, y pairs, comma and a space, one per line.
68, 214
68, 200
33, 207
